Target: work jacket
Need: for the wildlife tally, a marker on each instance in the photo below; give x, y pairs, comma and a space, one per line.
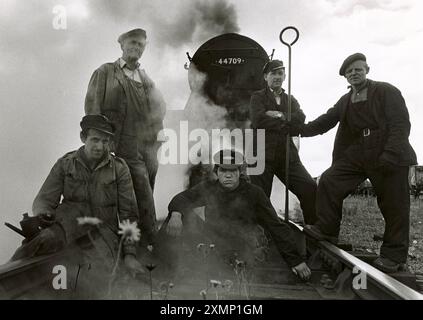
72, 190
275, 134
231, 216
107, 94
390, 138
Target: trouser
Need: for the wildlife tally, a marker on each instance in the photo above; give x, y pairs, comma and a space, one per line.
143, 169
392, 191
300, 183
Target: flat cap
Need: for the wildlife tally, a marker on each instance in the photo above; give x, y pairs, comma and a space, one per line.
131, 33
273, 65
97, 122
349, 60
228, 159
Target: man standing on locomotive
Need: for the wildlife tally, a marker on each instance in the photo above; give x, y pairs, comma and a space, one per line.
268, 110
371, 142
128, 97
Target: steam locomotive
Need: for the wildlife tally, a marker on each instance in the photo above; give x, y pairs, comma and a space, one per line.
233, 67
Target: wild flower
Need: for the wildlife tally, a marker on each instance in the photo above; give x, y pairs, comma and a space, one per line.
129, 234
215, 283
129, 231
203, 293
89, 221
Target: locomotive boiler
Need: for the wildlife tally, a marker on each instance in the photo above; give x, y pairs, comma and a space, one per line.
232, 67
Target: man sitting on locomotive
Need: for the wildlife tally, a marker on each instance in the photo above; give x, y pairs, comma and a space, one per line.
86, 187
234, 208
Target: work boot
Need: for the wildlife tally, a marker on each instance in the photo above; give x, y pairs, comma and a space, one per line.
386, 265
315, 232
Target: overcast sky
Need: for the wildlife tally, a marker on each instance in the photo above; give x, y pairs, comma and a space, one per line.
45, 72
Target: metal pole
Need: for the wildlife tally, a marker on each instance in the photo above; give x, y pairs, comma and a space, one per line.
288, 136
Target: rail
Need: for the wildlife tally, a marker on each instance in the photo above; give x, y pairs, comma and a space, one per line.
388, 285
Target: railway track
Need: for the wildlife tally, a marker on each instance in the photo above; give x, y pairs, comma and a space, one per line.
337, 274
345, 266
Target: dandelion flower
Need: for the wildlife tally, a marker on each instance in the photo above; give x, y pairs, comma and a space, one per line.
129, 231
91, 221
203, 293
215, 283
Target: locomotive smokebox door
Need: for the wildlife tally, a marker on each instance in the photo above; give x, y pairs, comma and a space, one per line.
227, 69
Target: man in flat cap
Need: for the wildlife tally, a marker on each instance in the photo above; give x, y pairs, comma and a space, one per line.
128, 97
234, 208
371, 142
85, 196
268, 111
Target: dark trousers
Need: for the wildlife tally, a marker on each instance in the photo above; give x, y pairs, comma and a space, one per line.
143, 168
393, 198
300, 183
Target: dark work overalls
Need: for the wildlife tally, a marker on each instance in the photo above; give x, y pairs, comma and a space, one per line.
359, 162
140, 152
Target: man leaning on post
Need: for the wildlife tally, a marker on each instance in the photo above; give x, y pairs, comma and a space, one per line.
268, 111
371, 142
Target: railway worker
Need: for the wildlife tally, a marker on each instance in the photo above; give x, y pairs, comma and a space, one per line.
89, 182
124, 93
371, 142
234, 208
268, 110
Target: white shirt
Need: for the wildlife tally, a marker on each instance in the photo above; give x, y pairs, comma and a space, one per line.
277, 96
131, 74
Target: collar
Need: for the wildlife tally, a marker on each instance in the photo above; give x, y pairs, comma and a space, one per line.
281, 90
82, 158
122, 63
362, 87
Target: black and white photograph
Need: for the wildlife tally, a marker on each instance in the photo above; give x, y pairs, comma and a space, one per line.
223, 152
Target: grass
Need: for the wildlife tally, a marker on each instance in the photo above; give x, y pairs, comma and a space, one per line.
362, 219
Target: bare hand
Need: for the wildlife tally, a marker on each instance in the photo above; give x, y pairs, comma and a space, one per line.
133, 265
174, 226
302, 271
275, 114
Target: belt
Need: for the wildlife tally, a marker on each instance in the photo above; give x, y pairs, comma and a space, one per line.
366, 132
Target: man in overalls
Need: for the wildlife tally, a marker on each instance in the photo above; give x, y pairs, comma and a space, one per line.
128, 97
371, 142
